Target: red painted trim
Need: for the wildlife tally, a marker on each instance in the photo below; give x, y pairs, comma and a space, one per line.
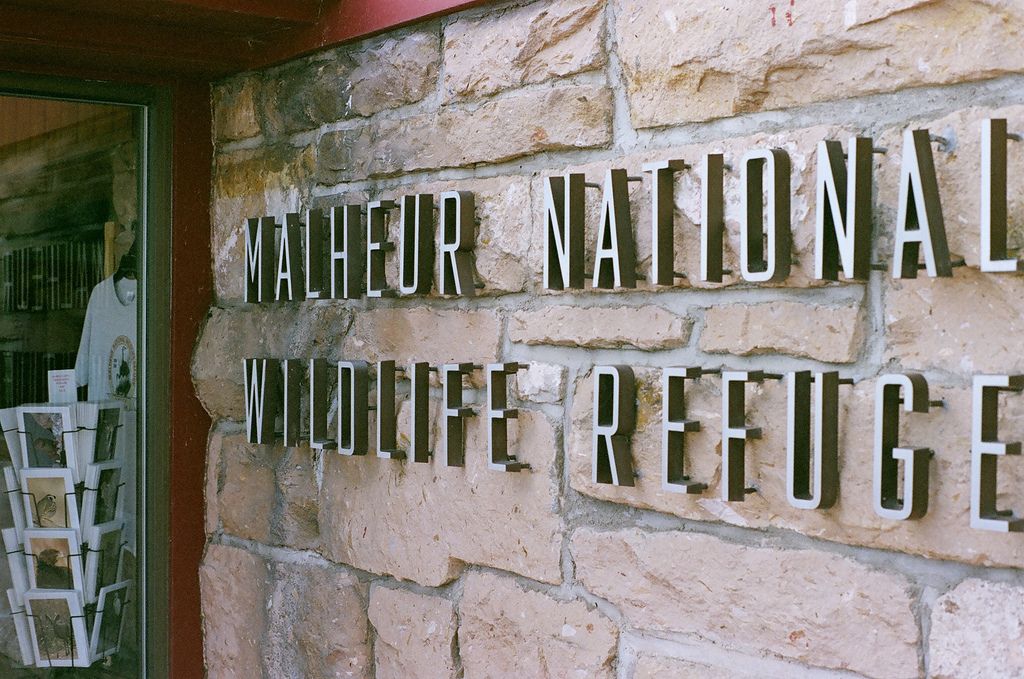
191, 296
346, 20
224, 36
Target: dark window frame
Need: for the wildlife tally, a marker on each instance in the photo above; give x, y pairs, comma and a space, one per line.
155, 128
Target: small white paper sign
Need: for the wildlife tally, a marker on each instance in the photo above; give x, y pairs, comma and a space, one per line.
63, 388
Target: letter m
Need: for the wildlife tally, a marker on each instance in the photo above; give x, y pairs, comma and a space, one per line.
259, 244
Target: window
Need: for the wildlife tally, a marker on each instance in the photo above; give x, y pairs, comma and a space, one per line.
72, 248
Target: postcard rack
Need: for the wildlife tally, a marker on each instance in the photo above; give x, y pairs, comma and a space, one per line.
70, 564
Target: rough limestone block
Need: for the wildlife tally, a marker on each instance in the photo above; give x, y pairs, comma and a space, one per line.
508, 630
978, 631
235, 589
967, 324
737, 57
644, 327
541, 383
521, 124
661, 667
389, 73
260, 331
297, 508
415, 635
425, 522
807, 605
824, 333
372, 76
317, 623
212, 482
944, 533
246, 499
523, 45
264, 493
423, 334
268, 181
234, 109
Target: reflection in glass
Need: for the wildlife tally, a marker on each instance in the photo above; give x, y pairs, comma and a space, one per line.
69, 358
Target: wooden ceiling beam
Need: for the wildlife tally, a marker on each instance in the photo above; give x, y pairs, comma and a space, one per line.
226, 15
285, 11
112, 38
89, 63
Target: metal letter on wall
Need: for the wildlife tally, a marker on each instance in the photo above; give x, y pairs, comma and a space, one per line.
316, 254
458, 235
663, 212
387, 420
319, 404
416, 257
259, 245
919, 214
346, 252
262, 388
353, 407
615, 255
765, 247
564, 209
993, 254
291, 372
289, 261
674, 428
712, 217
614, 422
735, 432
419, 397
842, 232
986, 448
454, 413
889, 502
498, 414
377, 245
812, 461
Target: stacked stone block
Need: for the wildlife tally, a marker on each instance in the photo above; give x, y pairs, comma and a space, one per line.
320, 565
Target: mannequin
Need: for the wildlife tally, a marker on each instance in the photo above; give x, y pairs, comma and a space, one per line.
107, 363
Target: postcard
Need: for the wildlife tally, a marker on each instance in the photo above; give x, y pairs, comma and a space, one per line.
12, 488
48, 437
49, 500
110, 616
21, 628
101, 498
53, 557
101, 560
57, 628
15, 562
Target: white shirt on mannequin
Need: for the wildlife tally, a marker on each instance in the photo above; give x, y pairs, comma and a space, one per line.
107, 359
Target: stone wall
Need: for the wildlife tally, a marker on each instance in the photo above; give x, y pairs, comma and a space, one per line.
333, 566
